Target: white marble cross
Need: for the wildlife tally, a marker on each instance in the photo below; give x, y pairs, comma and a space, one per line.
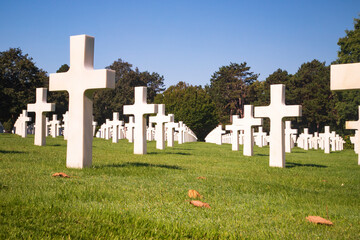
260, 137
315, 140
39, 107
234, 128
107, 134
23, 119
326, 139
247, 122
139, 109
47, 128
54, 126
355, 125
80, 81
160, 119
306, 138
345, 76
130, 129
288, 132
181, 130
171, 126
276, 111
116, 123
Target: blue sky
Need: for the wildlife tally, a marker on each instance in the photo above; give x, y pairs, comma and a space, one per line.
181, 40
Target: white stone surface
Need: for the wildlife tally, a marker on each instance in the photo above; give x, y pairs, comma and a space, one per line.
171, 126
54, 123
247, 122
288, 139
130, 129
139, 109
116, 123
355, 125
234, 128
94, 124
326, 139
66, 124
23, 119
345, 76
215, 136
306, 138
276, 111
181, 130
80, 81
160, 119
40, 107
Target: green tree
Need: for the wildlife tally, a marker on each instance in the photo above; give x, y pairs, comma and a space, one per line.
60, 98
19, 78
229, 89
109, 101
350, 45
192, 105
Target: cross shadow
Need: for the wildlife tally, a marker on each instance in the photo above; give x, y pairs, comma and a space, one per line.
140, 164
261, 154
54, 145
178, 153
5, 151
291, 165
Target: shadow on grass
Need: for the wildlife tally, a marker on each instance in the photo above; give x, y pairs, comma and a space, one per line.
54, 145
291, 165
5, 151
178, 153
140, 164
261, 154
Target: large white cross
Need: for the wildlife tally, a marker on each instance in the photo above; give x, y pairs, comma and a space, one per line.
116, 123
234, 128
276, 111
160, 119
247, 122
139, 109
81, 81
130, 129
39, 107
23, 119
355, 125
288, 132
171, 126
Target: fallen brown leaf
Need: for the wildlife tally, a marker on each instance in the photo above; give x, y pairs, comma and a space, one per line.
201, 177
61, 174
194, 194
197, 203
319, 220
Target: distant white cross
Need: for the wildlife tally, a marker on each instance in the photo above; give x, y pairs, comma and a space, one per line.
139, 109
54, 126
116, 123
171, 126
39, 107
276, 111
306, 138
160, 119
181, 130
288, 132
81, 81
130, 129
247, 122
23, 119
326, 139
234, 128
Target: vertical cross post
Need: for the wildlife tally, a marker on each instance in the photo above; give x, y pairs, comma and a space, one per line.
171, 126
81, 81
160, 119
39, 107
276, 111
139, 109
288, 132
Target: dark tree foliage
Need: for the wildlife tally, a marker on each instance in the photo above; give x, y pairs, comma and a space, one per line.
229, 89
112, 100
19, 78
192, 105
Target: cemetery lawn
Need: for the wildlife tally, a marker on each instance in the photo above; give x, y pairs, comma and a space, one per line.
126, 196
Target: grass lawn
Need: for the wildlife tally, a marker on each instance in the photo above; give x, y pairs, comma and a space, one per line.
126, 196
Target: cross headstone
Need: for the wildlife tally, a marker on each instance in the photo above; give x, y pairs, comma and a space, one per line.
171, 126
306, 138
333, 141
81, 81
47, 129
260, 137
160, 119
288, 132
181, 130
326, 139
94, 124
54, 126
139, 109
107, 129
23, 119
234, 128
315, 140
116, 123
247, 122
355, 125
150, 132
130, 129
276, 111
39, 107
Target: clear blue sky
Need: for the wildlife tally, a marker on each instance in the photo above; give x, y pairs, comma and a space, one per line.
182, 40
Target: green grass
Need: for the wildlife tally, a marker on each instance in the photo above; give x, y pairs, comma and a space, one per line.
126, 196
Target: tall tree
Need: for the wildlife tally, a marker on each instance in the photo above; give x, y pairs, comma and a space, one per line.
192, 105
60, 98
19, 78
229, 89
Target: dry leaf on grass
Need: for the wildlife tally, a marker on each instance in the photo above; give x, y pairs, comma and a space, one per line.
194, 194
318, 220
197, 203
61, 174
201, 177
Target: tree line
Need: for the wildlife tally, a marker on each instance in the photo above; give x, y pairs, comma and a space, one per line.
201, 108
